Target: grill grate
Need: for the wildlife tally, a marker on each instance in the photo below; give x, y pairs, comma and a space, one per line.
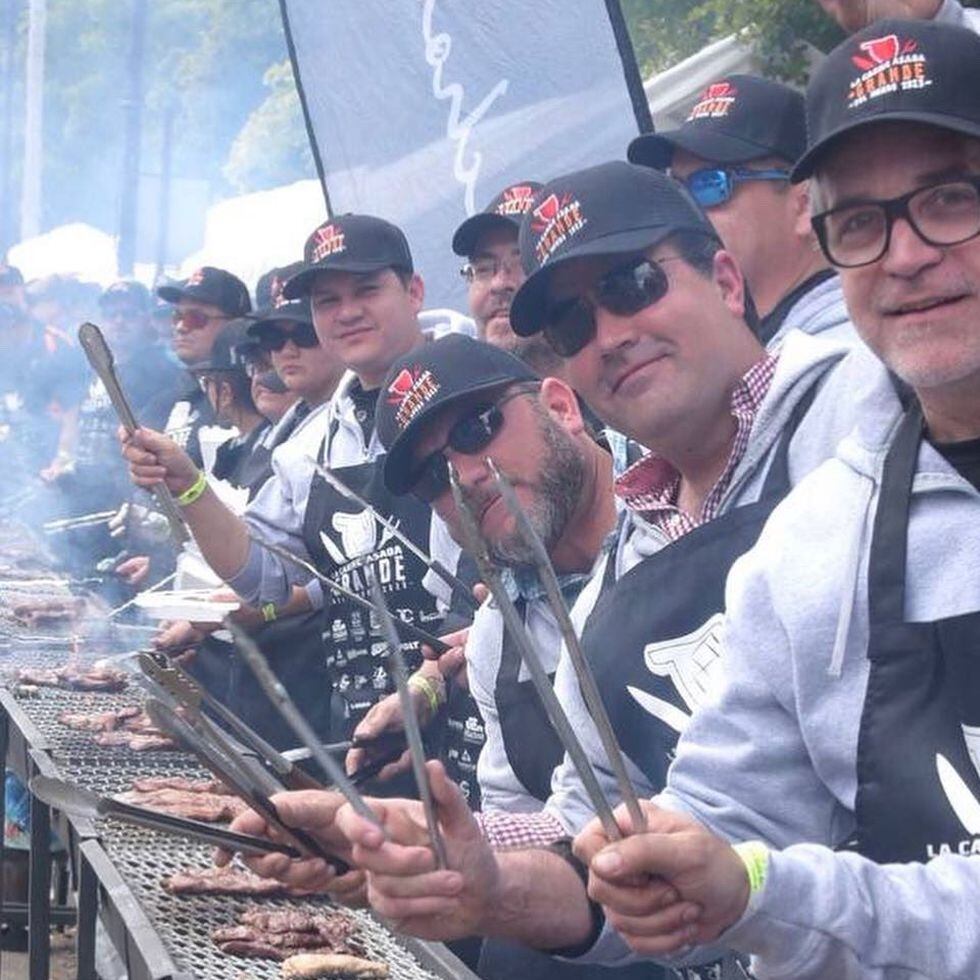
144, 857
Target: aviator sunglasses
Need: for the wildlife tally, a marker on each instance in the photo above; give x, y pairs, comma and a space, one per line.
469, 434
273, 339
569, 325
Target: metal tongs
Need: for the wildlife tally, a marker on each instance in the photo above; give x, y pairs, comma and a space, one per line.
245, 777
479, 550
78, 802
83, 520
100, 357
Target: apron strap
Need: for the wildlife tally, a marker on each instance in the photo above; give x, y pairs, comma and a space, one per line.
889, 542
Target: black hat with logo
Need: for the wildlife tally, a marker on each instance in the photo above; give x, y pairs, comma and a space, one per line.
426, 380
736, 119
271, 300
912, 71
216, 287
611, 209
227, 349
505, 211
129, 293
357, 243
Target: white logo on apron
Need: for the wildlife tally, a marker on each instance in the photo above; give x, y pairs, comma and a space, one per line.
358, 536
692, 663
965, 805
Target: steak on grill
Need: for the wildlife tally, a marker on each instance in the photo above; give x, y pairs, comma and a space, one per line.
38, 612
208, 807
222, 881
279, 934
319, 966
72, 677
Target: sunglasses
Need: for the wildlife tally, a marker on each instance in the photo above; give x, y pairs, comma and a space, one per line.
716, 185
470, 434
273, 339
194, 319
569, 325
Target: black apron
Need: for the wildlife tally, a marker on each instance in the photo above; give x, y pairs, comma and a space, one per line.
532, 747
652, 638
295, 651
915, 776
344, 542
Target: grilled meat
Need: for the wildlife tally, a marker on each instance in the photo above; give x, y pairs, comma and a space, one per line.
222, 881
281, 933
207, 807
320, 966
73, 677
45, 612
150, 784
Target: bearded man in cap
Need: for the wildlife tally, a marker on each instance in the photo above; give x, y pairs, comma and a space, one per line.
365, 298
734, 154
841, 748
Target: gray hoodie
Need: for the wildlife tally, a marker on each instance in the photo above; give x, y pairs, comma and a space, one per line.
820, 310
804, 361
772, 756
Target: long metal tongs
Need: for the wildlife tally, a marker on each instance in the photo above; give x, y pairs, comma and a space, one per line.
479, 550
80, 802
192, 697
586, 679
436, 567
410, 720
100, 357
226, 763
409, 630
284, 704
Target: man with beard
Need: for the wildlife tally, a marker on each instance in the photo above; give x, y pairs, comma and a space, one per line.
853, 15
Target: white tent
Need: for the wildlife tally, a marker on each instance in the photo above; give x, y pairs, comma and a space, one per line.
74, 249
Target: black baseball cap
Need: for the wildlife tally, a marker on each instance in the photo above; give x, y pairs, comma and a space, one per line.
128, 292
736, 119
426, 380
216, 287
350, 243
226, 354
272, 303
915, 71
505, 211
611, 209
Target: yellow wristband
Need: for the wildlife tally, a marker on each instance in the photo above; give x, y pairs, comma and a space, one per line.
194, 491
755, 856
425, 687
269, 612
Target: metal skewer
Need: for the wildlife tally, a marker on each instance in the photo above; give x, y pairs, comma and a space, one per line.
83, 520
100, 357
408, 629
413, 733
437, 567
477, 546
279, 696
586, 679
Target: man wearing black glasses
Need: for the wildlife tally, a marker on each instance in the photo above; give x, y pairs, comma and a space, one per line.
843, 742
734, 154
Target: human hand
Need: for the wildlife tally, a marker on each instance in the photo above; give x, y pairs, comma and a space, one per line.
154, 458
133, 571
383, 717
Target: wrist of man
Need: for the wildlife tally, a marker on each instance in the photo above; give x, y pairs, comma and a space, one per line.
753, 857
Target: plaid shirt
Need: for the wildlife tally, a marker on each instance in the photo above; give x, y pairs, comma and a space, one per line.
651, 485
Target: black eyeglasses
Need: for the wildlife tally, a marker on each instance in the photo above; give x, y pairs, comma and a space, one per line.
273, 339
470, 433
569, 325
944, 213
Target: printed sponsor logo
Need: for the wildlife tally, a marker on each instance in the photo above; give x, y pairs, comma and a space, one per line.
515, 200
411, 391
716, 102
327, 240
555, 220
887, 65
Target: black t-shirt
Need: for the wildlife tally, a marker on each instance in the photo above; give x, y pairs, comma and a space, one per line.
964, 457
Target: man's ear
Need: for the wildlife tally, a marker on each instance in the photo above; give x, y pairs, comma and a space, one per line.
416, 291
801, 210
561, 403
730, 282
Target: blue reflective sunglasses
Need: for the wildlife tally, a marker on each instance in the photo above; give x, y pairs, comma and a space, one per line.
713, 186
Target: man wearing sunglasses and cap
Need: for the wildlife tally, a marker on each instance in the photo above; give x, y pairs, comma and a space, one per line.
734, 153
365, 298
842, 744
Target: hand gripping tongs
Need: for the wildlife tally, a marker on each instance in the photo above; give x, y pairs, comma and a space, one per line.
100, 357
244, 776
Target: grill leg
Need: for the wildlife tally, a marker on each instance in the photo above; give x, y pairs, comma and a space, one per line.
39, 924
88, 899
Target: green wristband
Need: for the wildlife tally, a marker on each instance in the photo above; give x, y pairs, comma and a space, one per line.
194, 491
755, 856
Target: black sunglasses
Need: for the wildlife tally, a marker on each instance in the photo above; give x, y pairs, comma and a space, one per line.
569, 325
273, 339
470, 433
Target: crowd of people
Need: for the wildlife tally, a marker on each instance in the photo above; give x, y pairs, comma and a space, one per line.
733, 382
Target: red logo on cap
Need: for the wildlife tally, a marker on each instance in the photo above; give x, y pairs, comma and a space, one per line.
411, 391
325, 241
715, 102
555, 220
546, 211
516, 200
888, 65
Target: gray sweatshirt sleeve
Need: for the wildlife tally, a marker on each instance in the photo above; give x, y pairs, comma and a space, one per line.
953, 12
826, 914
